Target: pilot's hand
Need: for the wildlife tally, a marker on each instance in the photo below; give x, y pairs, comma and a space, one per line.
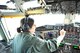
62, 32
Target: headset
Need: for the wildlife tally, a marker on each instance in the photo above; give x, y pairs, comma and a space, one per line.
25, 26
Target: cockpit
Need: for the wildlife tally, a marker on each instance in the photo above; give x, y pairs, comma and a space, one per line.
50, 17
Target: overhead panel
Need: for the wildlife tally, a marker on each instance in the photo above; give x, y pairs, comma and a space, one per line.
63, 6
69, 6
54, 6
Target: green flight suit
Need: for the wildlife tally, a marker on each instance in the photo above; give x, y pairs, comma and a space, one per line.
27, 43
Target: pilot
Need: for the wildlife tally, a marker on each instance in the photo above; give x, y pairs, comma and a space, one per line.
26, 42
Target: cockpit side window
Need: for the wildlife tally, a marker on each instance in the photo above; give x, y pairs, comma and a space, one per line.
2, 35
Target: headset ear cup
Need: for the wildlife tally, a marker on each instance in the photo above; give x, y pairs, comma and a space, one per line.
25, 27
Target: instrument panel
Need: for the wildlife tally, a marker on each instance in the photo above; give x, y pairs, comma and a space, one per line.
72, 36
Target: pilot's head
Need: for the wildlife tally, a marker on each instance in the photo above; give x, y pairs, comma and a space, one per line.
26, 25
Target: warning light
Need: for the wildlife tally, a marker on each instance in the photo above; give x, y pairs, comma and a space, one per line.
61, 44
75, 47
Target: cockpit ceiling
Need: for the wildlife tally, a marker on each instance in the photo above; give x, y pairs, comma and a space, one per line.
57, 6
64, 6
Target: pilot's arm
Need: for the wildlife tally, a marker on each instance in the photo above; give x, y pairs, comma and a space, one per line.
60, 38
49, 45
